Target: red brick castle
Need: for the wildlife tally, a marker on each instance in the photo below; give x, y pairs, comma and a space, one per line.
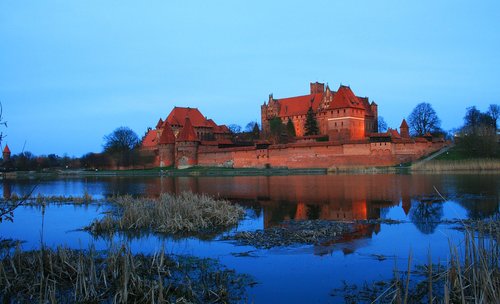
341, 115
347, 126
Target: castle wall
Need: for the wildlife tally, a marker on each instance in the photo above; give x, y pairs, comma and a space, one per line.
316, 155
186, 154
166, 155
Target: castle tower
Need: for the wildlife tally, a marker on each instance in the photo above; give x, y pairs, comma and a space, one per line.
317, 87
404, 130
6, 153
186, 150
166, 146
374, 126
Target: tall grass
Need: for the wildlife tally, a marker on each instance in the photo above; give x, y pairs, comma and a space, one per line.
186, 213
471, 275
114, 276
480, 164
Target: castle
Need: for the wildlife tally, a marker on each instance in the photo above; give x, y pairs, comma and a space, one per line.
341, 115
348, 136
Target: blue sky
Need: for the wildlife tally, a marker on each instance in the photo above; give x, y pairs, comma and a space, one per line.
73, 71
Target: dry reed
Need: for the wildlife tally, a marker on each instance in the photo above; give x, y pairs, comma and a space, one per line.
187, 213
40, 199
472, 275
458, 165
115, 276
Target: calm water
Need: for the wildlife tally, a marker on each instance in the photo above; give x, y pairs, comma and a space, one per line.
294, 274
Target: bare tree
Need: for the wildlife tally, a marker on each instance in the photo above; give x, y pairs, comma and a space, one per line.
121, 144
121, 139
423, 119
382, 125
494, 112
2, 123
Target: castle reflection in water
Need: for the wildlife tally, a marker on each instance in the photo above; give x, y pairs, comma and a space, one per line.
327, 197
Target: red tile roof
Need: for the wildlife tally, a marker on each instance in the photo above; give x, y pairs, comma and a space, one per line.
345, 98
179, 114
299, 105
211, 123
150, 140
403, 124
221, 129
159, 124
6, 149
167, 135
187, 132
394, 133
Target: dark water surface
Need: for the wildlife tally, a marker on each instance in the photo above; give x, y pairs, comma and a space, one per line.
293, 274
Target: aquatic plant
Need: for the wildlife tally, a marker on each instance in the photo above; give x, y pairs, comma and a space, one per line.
186, 213
294, 232
116, 275
471, 275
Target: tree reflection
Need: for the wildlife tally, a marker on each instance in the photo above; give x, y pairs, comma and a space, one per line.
426, 215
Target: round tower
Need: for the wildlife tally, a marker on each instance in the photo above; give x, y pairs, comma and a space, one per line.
166, 146
186, 146
6, 154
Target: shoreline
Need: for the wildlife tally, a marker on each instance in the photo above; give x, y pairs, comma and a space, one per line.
435, 167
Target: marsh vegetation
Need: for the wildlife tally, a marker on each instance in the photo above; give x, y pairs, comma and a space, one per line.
116, 275
186, 214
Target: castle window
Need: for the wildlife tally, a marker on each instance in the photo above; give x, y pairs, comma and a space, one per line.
344, 111
337, 111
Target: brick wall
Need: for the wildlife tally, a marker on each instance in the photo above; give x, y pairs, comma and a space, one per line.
316, 155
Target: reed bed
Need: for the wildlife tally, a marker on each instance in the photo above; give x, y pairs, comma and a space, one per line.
471, 275
294, 232
187, 213
486, 164
40, 199
116, 276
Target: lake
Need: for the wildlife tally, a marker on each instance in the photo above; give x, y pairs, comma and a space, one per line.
287, 274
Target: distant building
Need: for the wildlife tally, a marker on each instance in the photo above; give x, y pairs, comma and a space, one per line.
341, 115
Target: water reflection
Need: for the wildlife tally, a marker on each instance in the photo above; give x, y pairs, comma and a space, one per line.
330, 197
426, 215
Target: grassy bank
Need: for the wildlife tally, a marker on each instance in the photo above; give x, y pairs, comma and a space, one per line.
114, 276
444, 165
187, 213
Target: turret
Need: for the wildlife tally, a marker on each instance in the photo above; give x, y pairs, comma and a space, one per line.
186, 146
404, 130
317, 87
166, 146
6, 154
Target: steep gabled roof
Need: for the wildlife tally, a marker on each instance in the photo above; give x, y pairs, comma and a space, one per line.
404, 124
299, 105
150, 140
179, 114
6, 149
345, 98
159, 124
187, 132
167, 135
